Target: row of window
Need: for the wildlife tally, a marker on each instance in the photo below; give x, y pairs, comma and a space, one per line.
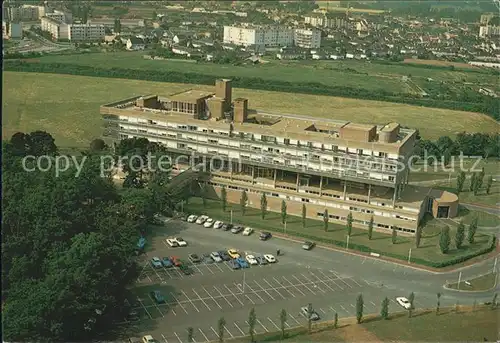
379, 225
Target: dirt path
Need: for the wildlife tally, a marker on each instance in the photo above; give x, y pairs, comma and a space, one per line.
357, 333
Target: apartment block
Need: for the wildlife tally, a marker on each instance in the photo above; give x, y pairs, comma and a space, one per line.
325, 21
73, 32
333, 165
489, 31
24, 13
270, 36
309, 39
12, 30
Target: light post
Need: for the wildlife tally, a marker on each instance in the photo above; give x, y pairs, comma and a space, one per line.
409, 256
243, 288
285, 227
347, 243
231, 216
459, 279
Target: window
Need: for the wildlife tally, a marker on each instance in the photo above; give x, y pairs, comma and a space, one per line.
359, 151
286, 141
382, 154
213, 141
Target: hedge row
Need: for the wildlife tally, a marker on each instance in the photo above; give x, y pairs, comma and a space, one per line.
249, 83
363, 248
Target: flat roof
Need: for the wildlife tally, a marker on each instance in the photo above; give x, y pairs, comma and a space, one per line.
360, 127
190, 95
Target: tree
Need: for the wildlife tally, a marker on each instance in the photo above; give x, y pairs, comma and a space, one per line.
283, 318
335, 320
384, 311
309, 317
489, 183
472, 182
252, 320
460, 181
283, 211
480, 179
97, 145
221, 325
326, 219
223, 199
243, 202
438, 305
203, 194
418, 236
370, 228
42, 143
477, 186
394, 236
411, 299
460, 235
263, 205
444, 240
154, 15
190, 333
494, 301
304, 213
472, 230
349, 224
359, 308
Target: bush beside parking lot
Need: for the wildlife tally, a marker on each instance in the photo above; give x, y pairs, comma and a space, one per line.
427, 255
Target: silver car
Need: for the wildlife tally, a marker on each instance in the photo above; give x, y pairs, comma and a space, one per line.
216, 257
305, 312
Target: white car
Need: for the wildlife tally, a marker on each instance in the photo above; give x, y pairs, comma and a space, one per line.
172, 242
192, 218
252, 260
181, 242
148, 339
269, 258
209, 222
248, 231
216, 257
218, 224
404, 302
201, 219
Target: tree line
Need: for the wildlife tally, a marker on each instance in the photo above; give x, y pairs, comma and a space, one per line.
469, 144
485, 104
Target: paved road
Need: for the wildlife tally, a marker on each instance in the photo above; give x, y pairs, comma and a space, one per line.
330, 280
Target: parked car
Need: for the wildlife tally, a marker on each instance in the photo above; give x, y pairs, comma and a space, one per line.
166, 262
218, 224
172, 242
207, 259
181, 242
201, 219
248, 231
176, 261
209, 222
194, 258
227, 226
269, 258
234, 265
264, 236
261, 260
251, 259
185, 269
158, 297
305, 312
403, 302
148, 339
237, 229
241, 261
156, 262
308, 245
192, 218
216, 257
224, 255
233, 253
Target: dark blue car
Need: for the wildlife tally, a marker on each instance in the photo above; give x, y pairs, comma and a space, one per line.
242, 262
234, 265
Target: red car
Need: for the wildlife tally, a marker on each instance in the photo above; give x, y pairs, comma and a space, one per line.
176, 261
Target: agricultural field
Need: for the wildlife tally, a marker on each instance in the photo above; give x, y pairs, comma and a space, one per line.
68, 107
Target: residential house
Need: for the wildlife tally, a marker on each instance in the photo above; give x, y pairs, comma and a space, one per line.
135, 43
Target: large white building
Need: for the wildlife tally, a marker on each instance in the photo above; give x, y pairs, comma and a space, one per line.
258, 35
73, 32
24, 13
12, 30
309, 39
489, 31
325, 21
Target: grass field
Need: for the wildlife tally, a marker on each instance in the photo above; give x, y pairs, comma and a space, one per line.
467, 325
439, 63
68, 106
480, 283
428, 249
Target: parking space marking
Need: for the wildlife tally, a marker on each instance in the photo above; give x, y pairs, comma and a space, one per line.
159, 276
270, 296
180, 340
192, 303
240, 288
287, 325
164, 338
208, 266
229, 332
296, 321
310, 290
329, 278
215, 332
357, 283
344, 309
258, 321
254, 329
352, 305
285, 288
158, 308
322, 310
228, 267
373, 303
217, 265
254, 292
178, 302
203, 301
276, 326
239, 329
196, 267
323, 282
334, 310
144, 307
211, 296
274, 289
340, 278
230, 291
223, 297
206, 339
293, 285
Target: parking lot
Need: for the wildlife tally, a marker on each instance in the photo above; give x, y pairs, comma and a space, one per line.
216, 290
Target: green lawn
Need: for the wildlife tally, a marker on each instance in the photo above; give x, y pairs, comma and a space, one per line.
68, 106
428, 250
480, 283
421, 172
484, 218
